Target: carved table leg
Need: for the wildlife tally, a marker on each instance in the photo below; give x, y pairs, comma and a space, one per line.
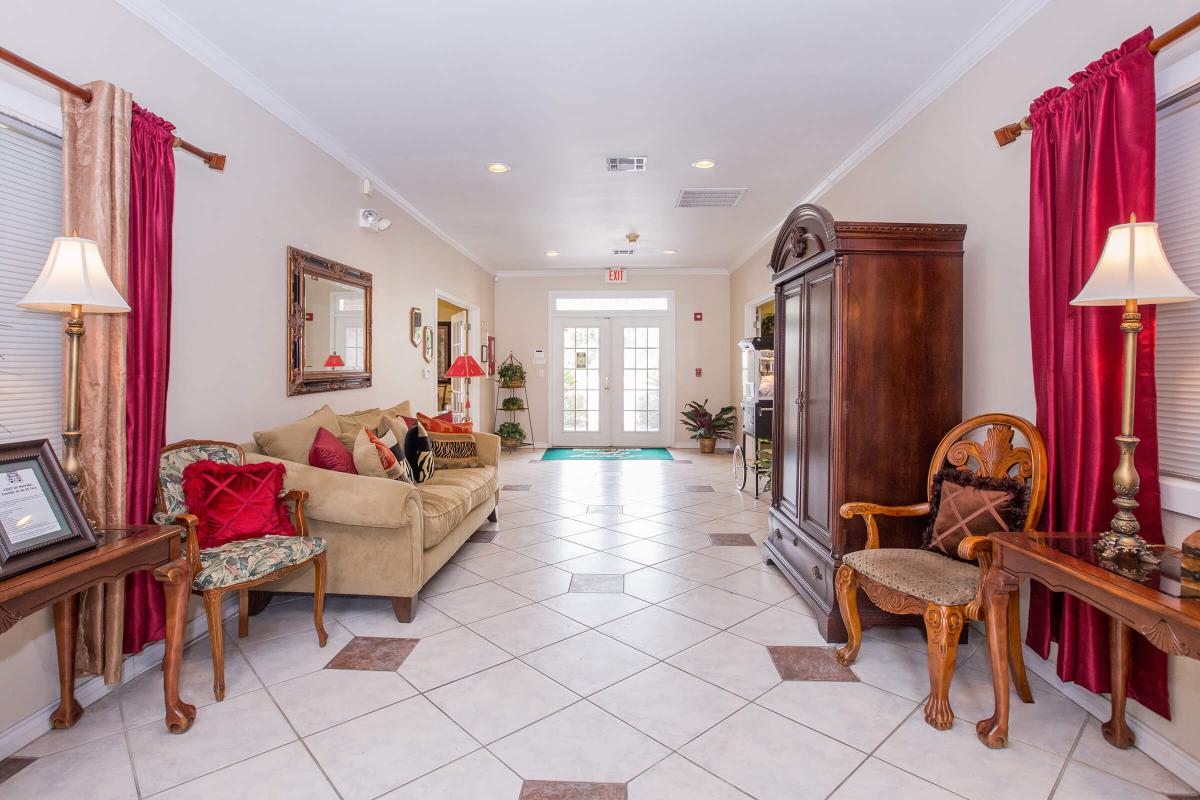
66, 621
997, 586
176, 578
1120, 645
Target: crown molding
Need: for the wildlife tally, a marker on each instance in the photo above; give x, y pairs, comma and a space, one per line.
570, 272
1012, 16
180, 33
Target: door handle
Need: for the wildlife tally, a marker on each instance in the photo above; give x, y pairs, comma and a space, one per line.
606, 383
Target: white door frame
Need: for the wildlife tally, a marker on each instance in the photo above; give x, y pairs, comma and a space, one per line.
473, 341
609, 425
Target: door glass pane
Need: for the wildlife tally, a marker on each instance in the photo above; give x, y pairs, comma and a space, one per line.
640, 398
581, 379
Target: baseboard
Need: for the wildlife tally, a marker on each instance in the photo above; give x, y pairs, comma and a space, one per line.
692, 444
20, 734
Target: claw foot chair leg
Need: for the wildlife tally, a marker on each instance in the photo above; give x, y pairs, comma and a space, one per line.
943, 627
847, 595
212, 609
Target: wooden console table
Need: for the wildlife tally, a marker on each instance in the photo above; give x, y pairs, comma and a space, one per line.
120, 552
1150, 603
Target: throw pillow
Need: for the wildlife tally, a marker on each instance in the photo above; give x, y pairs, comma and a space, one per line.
328, 452
965, 504
454, 450
443, 423
236, 501
397, 430
401, 409
372, 457
292, 442
419, 452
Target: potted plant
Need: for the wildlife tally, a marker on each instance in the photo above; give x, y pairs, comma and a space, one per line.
511, 434
512, 375
707, 427
512, 404
767, 326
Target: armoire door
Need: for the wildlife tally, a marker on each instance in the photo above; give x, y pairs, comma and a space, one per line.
788, 403
816, 402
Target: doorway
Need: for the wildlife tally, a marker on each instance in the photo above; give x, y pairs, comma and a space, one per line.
456, 336
612, 376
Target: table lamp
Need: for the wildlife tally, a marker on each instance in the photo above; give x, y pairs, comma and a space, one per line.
466, 366
334, 361
1132, 269
75, 282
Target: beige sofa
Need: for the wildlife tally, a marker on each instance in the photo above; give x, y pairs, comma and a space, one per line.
385, 537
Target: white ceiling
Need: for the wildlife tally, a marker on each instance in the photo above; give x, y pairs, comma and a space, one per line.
425, 94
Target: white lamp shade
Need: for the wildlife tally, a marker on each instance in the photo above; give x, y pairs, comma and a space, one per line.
74, 274
1133, 266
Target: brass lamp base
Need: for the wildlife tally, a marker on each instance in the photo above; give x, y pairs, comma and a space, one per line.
1119, 546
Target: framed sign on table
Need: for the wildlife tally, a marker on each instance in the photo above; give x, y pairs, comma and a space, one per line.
40, 520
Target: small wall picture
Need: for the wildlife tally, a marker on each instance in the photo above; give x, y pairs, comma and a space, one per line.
489, 355
427, 334
414, 316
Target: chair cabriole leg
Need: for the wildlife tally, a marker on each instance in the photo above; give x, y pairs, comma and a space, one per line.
319, 599
212, 609
943, 627
847, 595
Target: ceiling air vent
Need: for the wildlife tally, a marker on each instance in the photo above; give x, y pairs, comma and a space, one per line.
709, 198
627, 164
623, 251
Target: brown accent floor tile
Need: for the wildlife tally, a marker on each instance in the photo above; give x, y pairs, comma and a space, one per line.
731, 539
379, 653
11, 766
583, 582
700, 488
483, 536
517, 487
809, 664
569, 790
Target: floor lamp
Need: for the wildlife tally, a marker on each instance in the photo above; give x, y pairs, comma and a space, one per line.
1132, 269
466, 366
75, 282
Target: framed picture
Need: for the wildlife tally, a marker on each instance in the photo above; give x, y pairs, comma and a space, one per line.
443, 349
427, 333
489, 355
414, 319
40, 521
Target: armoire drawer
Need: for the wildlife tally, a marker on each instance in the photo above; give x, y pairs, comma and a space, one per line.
809, 560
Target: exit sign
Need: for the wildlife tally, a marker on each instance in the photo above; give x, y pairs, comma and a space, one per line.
616, 275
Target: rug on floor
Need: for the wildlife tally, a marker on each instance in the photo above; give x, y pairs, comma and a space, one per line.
606, 454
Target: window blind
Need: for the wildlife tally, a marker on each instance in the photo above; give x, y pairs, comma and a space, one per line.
30, 341
1178, 356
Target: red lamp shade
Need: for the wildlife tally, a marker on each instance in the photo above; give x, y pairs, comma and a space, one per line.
465, 367
334, 360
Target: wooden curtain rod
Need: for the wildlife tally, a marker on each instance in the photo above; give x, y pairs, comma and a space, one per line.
214, 160
1009, 133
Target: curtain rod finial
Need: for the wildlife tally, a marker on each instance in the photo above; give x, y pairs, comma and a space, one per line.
217, 162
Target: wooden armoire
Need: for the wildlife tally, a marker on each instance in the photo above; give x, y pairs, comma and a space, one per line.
868, 378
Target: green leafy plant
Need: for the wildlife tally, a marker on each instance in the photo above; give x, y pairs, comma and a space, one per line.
511, 374
706, 425
767, 325
510, 432
512, 404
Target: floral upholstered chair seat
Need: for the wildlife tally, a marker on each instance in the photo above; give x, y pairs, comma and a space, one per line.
251, 559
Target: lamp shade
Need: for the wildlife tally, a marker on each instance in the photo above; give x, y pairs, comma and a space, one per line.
74, 274
334, 360
465, 367
1133, 266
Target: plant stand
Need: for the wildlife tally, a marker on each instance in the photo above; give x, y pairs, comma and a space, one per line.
521, 391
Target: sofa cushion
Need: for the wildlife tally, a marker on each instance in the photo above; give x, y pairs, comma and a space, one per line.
374, 458
924, 574
292, 442
443, 506
481, 482
328, 452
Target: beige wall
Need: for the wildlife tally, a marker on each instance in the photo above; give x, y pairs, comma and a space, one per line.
232, 231
944, 166
523, 325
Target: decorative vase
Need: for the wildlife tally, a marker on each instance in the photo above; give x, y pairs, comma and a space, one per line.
708, 445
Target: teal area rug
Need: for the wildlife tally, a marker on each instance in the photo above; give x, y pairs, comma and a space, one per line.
607, 454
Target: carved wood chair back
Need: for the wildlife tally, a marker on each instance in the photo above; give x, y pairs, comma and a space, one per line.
174, 458
995, 456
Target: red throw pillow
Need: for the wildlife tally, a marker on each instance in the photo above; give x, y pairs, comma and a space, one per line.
443, 423
236, 501
328, 452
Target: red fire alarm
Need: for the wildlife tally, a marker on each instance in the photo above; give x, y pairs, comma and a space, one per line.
699, 372
698, 316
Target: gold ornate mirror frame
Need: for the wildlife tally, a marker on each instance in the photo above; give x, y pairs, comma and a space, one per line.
309, 380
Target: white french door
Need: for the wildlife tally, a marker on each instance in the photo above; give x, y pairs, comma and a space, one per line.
611, 381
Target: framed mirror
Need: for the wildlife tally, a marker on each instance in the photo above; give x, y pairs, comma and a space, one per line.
329, 325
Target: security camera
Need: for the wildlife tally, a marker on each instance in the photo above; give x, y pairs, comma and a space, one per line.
369, 218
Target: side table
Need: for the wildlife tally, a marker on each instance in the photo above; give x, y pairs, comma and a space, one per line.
120, 552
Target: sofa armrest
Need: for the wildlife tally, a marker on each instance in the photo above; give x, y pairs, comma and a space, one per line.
488, 447
358, 500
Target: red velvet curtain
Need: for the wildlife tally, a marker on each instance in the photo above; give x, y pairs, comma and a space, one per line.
1092, 165
148, 346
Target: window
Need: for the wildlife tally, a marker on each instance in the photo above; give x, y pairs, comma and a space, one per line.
30, 342
1178, 356
612, 303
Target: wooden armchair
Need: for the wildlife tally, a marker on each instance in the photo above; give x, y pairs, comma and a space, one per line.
944, 591
237, 566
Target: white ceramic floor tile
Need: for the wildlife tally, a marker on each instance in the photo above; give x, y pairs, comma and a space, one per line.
501, 564
897, 669
684, 539
521, 537
279, 619
594, 608
602, 539
526, 629
448, 656
762, 586
731, 662
477, 602
329, 697
287, 771
560, 527
501, 700
643, 528
715, 607
588, 662
579, 743
698, 567
647, 552
726, 525
556, 550
1132, 765
776, 626
385, 749
876, 779
772, 758
472, 550
676, 778
681, 519
100, 719
538, 584
858, 714
97, 769
426, 622
449, 578
667, 704
1051, 722
296, 654
478, 776
1081, 782
142, 698
657, 631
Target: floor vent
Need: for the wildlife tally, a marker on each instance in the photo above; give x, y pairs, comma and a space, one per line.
627, 164
709, 198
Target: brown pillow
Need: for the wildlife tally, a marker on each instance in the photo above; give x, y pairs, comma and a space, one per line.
454, 450
292, 442
965, 504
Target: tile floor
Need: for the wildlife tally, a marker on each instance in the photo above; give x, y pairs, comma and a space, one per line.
615, 636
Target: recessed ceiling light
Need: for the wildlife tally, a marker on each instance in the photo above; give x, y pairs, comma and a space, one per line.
498, 167
704, 163
551, 253
669, 252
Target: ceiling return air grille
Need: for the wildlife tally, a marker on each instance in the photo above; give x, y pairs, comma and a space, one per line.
709, 198
623, 251
627, 164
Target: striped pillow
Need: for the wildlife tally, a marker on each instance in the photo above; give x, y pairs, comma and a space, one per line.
454, 450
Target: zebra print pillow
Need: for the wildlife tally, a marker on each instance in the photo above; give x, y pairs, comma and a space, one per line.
454, 450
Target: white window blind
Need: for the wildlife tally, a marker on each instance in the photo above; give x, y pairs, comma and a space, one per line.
30, 341
1178, 356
